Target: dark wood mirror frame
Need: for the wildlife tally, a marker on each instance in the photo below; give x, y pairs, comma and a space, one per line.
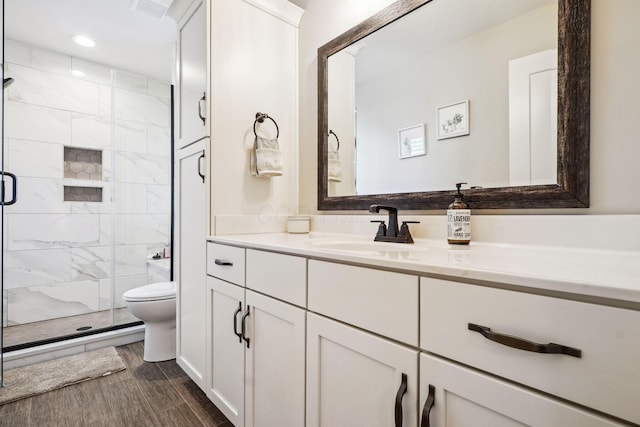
572, 190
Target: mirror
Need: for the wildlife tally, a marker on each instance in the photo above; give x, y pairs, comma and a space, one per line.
431, 91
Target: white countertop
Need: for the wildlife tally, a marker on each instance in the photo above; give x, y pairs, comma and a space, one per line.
596, 273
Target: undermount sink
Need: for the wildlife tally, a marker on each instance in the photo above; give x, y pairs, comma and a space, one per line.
364, 247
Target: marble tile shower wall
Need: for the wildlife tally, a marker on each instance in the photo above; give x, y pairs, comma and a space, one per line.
58, 254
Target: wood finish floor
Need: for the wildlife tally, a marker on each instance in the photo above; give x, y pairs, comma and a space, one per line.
144, 394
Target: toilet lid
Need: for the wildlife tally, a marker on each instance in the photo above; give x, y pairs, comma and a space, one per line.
152, 292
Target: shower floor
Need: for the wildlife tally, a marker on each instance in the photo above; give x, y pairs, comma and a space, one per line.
65, 326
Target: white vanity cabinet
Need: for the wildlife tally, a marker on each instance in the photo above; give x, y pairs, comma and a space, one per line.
225, 348
392, 347
355, 377
382, 302
452, 395
255, 343
582, 352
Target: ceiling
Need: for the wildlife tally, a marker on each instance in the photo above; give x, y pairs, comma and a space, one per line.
125, 39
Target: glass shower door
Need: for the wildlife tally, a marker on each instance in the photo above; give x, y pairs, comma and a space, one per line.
56, 256
88, 146
140, 185
2, 308
91, 149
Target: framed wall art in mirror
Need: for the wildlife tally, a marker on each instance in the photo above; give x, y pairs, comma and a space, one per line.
414, 57
411, 142
453, 120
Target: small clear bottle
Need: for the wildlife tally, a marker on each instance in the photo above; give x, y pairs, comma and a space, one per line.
459, 220
166, 251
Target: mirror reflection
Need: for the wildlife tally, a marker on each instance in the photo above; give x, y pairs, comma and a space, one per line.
456, 91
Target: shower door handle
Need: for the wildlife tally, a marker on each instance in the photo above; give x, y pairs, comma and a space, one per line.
14, 186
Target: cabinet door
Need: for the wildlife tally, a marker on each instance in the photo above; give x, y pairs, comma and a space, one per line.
356, 379
465, 397
190, 261
274, 369
225, 348
192, 72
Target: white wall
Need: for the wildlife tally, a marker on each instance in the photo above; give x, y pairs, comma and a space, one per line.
615, 36
615, 109
253, 69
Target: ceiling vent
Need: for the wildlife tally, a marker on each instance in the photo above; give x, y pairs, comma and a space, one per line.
153, 8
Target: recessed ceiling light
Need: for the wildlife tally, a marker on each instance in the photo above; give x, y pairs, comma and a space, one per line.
83, 40
78, 73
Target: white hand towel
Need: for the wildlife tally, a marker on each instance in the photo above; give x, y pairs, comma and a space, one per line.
266, 158
334, 168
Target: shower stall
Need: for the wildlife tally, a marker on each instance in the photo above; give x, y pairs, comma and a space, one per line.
86, 180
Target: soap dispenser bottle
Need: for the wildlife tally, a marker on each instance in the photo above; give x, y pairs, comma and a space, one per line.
459, 220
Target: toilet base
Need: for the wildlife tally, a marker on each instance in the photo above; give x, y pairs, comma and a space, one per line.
159, 341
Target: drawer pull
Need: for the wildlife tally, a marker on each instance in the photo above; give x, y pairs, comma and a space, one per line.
519, 343
223, 262
401, 392
235, 322
244, 319
428, 404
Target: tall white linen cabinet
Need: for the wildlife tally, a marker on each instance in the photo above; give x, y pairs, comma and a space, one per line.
192, 130
234, 58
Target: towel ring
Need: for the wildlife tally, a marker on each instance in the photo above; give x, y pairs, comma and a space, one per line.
260, 119
336, 137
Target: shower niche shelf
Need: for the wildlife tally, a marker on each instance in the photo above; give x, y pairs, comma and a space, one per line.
82, 194
82, 163
83, 175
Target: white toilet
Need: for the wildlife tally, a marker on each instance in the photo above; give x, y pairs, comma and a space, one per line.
155, 305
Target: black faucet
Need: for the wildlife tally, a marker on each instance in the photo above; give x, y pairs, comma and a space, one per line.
392, 228
391, 233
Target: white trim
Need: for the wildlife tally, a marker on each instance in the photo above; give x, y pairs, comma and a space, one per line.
188, 13
28, 356
294, 199
281, 9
